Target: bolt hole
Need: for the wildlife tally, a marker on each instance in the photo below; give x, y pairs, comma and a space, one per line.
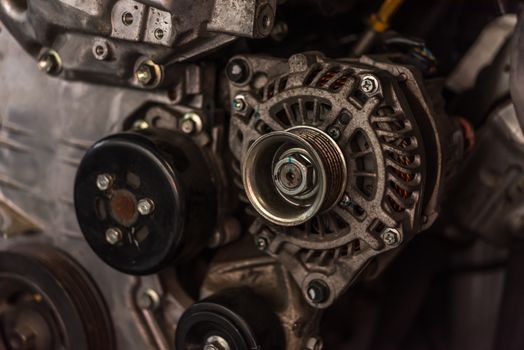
159, 34
100, 50
127, 18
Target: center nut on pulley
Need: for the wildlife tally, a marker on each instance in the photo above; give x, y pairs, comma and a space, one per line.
140, 196
290, 176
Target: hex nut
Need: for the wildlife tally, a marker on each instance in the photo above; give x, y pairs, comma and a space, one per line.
104, 181
114, 236
145, 206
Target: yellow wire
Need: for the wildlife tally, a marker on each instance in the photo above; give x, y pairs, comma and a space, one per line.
380, 21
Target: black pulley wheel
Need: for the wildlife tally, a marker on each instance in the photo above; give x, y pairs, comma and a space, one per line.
49, 302
139, 198
235, 319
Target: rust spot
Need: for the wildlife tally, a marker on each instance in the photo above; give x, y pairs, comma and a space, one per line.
123, 207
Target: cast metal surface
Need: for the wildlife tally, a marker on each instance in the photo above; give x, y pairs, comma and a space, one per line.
384, 192
107, 41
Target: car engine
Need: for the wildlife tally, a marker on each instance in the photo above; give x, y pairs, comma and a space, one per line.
261, 174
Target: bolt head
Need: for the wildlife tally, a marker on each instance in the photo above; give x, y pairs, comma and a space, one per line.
369, 84
261, 243
104, 181
114, 236
140, 124
145, 206
144, 74
187, 126
216, 342
50, 62
317, 291
391, 237
239, 103
149, 300
191, 123
334, 132
294, 175
345, 201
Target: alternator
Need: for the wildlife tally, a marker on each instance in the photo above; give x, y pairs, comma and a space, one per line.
341, 160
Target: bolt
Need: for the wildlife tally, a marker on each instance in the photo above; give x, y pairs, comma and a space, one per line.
113, 236
149, 300
140, 124
346, 201
239, 103
369, 84
191, 123
145, 206
104, 181
314, 343
216, 342
144, 74
148, 73
261, 243
187, 126
237, 71
50, 62
334, 132
391, 237
294, 174
317, 291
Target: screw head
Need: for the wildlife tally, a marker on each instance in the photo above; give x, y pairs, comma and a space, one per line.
191, 123
149, 300
261, 243
334, 132
345, 201
50, 62
317, 291
140, 124
187, 126
391, 237
239, 103
145, 206
104, 181
114, 236
369, 84
216, 342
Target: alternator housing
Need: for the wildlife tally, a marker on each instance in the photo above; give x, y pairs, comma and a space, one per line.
396, 148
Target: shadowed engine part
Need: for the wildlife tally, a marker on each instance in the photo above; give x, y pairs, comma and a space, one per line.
235, 319
48, 302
